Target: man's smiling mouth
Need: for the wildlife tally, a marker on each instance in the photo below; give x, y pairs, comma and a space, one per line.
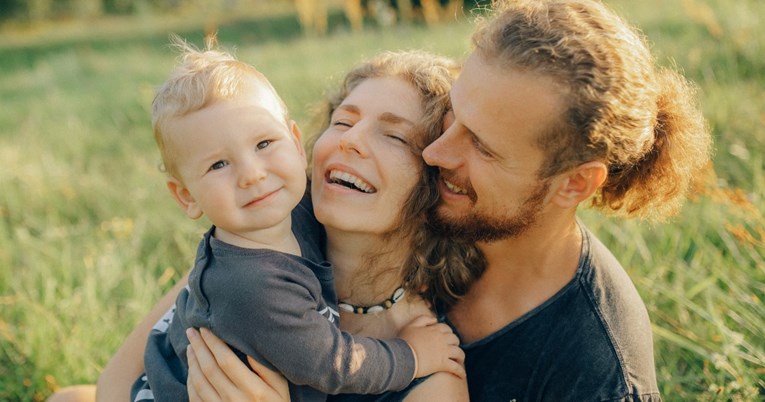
454, 188
350, 181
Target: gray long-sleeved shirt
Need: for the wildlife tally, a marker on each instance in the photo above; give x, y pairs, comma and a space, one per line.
281, 310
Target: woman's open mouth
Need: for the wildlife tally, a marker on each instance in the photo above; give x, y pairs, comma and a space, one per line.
351, 181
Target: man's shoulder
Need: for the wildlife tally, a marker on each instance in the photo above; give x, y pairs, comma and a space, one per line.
568, 354
610, 292
618, 306
591, 339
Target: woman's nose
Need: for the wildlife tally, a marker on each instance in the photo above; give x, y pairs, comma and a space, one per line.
354, 139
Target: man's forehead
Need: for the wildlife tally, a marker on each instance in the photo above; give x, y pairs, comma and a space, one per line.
471, 77
469, 91
490, 98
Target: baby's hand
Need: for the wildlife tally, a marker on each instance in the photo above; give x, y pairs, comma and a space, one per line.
436, 347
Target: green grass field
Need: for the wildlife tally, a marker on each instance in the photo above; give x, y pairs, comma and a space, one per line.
90, 239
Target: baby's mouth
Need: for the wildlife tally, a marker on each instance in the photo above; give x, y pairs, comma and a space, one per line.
348, 180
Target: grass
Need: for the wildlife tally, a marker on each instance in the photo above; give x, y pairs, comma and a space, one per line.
90, 239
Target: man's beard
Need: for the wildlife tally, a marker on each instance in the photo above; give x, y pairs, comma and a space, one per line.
477, 226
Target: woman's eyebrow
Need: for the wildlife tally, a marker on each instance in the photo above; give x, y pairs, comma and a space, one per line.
349, 108
393, 118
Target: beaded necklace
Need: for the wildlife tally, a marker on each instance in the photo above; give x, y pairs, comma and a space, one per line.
397, 295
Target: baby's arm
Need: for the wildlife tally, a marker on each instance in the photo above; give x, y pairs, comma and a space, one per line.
275, 320
127, 363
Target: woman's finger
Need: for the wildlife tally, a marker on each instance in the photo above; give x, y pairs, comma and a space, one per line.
240, 382
228, 369
279, 387
210, 370
197, 386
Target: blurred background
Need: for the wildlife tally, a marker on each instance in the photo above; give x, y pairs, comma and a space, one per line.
90, 239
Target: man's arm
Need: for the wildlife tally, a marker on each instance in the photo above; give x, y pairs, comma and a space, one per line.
127, 363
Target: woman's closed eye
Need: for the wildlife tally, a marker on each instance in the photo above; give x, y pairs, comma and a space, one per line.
397, 137
342, 123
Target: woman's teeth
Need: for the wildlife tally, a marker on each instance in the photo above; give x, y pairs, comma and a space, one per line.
348, 180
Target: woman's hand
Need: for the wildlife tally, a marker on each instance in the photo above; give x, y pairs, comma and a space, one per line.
216, 374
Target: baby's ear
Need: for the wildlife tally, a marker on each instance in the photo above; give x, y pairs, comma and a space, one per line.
579, 184
297, 135
184, 198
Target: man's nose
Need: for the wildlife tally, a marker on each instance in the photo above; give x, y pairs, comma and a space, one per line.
445, 151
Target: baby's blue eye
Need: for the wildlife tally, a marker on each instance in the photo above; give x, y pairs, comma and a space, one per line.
264, 144
218, 165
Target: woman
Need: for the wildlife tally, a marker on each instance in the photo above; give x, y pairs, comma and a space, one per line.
371, 190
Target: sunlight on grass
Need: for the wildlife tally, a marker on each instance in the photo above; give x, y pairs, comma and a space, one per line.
91, 239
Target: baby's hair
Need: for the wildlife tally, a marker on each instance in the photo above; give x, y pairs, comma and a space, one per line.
639, 119
200, 78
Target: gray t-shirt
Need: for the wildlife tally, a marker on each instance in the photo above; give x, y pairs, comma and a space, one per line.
589, 342
281, 309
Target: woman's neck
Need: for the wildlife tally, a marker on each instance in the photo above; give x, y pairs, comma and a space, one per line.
367, 266
349, 253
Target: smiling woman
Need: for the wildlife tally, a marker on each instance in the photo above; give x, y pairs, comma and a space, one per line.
375, 126
367, 147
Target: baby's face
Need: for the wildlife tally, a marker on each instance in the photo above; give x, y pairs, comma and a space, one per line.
239, 163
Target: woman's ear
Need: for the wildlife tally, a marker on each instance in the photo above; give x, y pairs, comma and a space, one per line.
579, 184
184, 198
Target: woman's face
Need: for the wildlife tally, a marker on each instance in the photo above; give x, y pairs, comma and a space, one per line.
364, 168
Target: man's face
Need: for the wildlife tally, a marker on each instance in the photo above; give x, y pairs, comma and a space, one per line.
489, 158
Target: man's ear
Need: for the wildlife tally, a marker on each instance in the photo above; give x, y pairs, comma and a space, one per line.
184, 198
579, 184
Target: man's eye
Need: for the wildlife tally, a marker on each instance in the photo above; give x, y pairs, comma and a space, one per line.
263, 144
448, 119
218, 165
477, 145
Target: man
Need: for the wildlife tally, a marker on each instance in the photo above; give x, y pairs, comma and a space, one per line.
559, 103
